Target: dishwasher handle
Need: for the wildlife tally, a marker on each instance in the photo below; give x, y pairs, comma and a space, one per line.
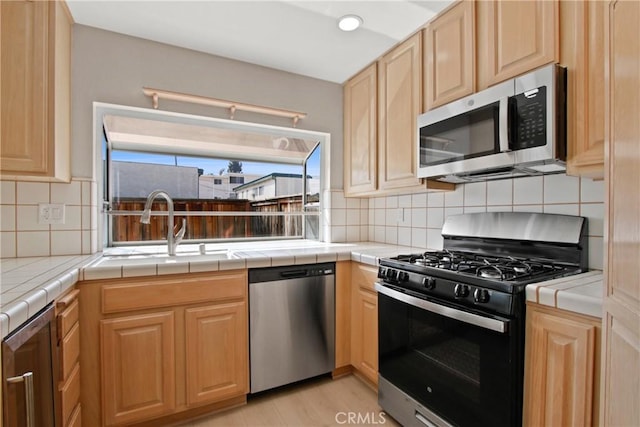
292, 274
27, 379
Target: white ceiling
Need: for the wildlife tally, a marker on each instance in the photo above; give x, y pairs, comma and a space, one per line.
301, 37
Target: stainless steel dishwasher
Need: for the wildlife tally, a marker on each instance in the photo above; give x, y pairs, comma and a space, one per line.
291, 323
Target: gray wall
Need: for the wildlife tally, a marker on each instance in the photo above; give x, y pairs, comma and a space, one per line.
139, 179
113, 68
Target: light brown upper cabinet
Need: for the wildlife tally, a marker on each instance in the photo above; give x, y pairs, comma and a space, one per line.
381, 104
515, 37
360, 132
450, 55
400, 102
582, 52
35, 82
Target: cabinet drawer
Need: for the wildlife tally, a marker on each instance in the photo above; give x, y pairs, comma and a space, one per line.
69, 352
67, 319
70, 394
170, 292
364, 276
76, 417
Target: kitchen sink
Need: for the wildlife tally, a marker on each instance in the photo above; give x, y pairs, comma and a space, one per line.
145, 257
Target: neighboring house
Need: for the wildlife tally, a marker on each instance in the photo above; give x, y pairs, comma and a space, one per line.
221, 186
275, 185
133, 179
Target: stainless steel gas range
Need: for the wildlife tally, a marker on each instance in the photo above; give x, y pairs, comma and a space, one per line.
451, 322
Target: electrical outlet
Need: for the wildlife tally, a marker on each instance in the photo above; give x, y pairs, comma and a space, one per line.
50, 213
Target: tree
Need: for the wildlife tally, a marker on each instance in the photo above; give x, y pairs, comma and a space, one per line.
234, 166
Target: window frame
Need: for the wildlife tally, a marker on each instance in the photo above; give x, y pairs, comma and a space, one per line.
102, 109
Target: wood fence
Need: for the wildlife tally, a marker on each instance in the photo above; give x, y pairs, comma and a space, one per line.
127, 228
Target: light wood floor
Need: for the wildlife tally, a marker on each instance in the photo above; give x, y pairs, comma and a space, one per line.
320, 402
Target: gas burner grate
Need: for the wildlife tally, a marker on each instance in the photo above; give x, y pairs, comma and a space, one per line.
487, 267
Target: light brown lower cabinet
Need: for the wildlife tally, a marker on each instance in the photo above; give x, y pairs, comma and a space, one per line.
138, 367
206, 381
364, 321
161, 349
561, 368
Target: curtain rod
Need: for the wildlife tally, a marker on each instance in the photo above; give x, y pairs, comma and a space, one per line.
157, 94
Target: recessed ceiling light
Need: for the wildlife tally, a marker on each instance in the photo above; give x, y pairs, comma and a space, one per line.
349, 22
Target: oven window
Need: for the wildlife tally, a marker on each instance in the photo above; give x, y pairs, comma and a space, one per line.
467, 135
464, 373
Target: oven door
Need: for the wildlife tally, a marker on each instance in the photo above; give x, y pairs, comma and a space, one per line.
460, 365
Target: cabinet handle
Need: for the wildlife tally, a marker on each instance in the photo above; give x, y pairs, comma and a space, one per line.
27, 378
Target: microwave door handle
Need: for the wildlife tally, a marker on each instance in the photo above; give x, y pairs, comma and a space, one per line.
503, 125
463, 316
27, 378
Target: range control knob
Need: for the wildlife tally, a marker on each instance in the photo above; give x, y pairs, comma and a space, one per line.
382, 273
461, 291
481, 295
429, 283
391, 274
403, 277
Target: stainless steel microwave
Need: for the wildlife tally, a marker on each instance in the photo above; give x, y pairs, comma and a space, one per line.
515, 128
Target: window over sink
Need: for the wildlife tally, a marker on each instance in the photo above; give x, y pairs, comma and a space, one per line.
228, 180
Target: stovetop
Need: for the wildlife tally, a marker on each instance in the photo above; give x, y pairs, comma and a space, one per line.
515, 270
484, 282
489, 258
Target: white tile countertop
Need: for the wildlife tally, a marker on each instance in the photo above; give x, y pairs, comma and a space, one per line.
581, 293
28, 284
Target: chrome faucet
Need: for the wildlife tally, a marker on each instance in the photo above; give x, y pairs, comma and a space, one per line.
173, 240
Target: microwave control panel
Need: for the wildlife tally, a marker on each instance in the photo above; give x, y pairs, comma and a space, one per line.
528, 119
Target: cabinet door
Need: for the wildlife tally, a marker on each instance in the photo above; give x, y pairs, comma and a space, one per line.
24, 85
360, 133
35, 82
621, 322
515, 37
559, 371
449, 55
216, 352
582, 52
400, 102
138, 367
364, 321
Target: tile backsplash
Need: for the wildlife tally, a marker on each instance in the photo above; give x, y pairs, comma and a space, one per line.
21, 235
409, 220
417, 219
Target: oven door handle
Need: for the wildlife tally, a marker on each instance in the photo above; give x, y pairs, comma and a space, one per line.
463, 316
